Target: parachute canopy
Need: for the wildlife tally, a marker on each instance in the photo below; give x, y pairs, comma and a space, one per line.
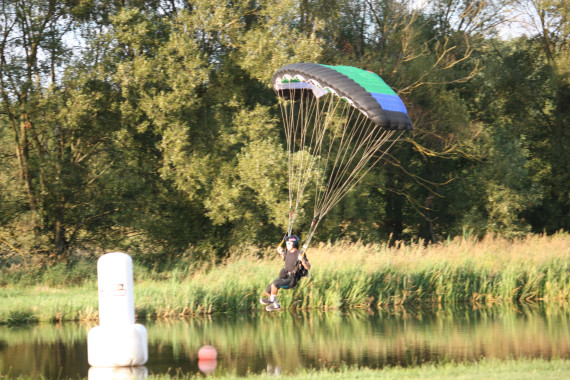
362, 89
339, 122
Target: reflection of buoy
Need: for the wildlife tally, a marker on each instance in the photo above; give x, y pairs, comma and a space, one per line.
207, 366
207, 353
118, 373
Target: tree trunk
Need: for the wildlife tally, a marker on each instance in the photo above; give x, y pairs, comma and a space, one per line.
26, 173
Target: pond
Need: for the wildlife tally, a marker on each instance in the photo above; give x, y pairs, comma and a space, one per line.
282, 342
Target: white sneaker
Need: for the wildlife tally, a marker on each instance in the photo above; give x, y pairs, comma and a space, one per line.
265, 301
273, 307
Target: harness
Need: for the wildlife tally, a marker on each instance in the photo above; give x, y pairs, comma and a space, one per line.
299, 272
295, 275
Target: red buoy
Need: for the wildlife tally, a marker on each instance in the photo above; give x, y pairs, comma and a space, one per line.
207, 353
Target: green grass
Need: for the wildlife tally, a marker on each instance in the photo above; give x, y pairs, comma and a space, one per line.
485, 369
457, 272
519, 369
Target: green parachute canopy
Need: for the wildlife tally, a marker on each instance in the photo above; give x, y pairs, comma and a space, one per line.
363, 89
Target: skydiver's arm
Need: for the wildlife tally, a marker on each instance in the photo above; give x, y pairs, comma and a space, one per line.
303, 259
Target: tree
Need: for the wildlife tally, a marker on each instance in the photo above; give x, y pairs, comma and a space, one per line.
425, 54
203, 99
60, 117
32, 53
551, 21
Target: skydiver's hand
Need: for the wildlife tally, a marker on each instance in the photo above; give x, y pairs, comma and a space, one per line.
280, 250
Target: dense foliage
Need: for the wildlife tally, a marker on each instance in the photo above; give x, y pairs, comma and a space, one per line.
151, 125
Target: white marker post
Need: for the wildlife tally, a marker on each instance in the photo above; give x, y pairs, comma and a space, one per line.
118, 341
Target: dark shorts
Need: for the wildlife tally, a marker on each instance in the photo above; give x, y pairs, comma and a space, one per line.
282, 283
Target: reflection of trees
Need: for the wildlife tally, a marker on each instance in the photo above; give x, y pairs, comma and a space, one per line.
316, 339
45, 359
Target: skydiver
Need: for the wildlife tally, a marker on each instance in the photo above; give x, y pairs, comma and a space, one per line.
289, 275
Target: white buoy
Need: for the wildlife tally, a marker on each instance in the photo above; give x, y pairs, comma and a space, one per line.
116, 294
118, 341
117, 346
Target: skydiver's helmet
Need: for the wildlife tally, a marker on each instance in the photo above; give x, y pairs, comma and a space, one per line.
293, 238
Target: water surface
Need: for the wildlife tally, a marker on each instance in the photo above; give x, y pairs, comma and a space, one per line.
282, 342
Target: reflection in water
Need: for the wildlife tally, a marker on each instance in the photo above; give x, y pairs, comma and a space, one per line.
118, 373
207, 366
283, 342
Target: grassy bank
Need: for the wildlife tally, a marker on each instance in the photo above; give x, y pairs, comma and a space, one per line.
485, 369
482, 273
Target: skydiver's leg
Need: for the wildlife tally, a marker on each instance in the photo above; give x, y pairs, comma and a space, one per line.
273, 299
271, 293
274, 290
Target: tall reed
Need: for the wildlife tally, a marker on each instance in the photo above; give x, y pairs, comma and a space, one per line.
458, 271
